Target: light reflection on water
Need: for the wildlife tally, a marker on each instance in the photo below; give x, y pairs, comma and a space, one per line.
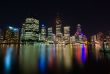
68, 57
96, 51
40, 57
51, 55
81, 54
28, 57
7, 59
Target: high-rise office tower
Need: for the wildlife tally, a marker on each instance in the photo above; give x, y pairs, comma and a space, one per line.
8, 35
58, 29
73, 39
92, 39
53, 37
100, 36
78, 34
43, 33
78, 31
50, 34
67, 33
12, 34
30, 30
16, 34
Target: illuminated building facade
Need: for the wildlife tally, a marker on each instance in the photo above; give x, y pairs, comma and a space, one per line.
100, 36
84, 38
79, 37
1, 35
53, 37
72, 39
8, 35
30, 30
93, 38
43, 33
67, 34
58, 29
97, 37
101, 40
11, 35
50, 34
16, 35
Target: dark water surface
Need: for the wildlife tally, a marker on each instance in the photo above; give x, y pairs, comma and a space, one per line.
54, 59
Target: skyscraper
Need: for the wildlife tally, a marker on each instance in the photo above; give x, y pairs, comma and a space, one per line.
78, 31
67, 34
16, 34
50, 34
43, 33
30, 30
8, 35
58, 28
12, 35
78, 34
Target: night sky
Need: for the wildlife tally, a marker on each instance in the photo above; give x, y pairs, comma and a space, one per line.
93, 16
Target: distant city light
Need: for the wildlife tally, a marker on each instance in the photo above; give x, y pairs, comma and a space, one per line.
15, 29
42, 25
10, 27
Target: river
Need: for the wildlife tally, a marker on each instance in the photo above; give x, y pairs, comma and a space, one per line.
55, 59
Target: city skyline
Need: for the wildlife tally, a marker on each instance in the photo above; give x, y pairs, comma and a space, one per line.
54, 37
72, 27
88, 13
31, 31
